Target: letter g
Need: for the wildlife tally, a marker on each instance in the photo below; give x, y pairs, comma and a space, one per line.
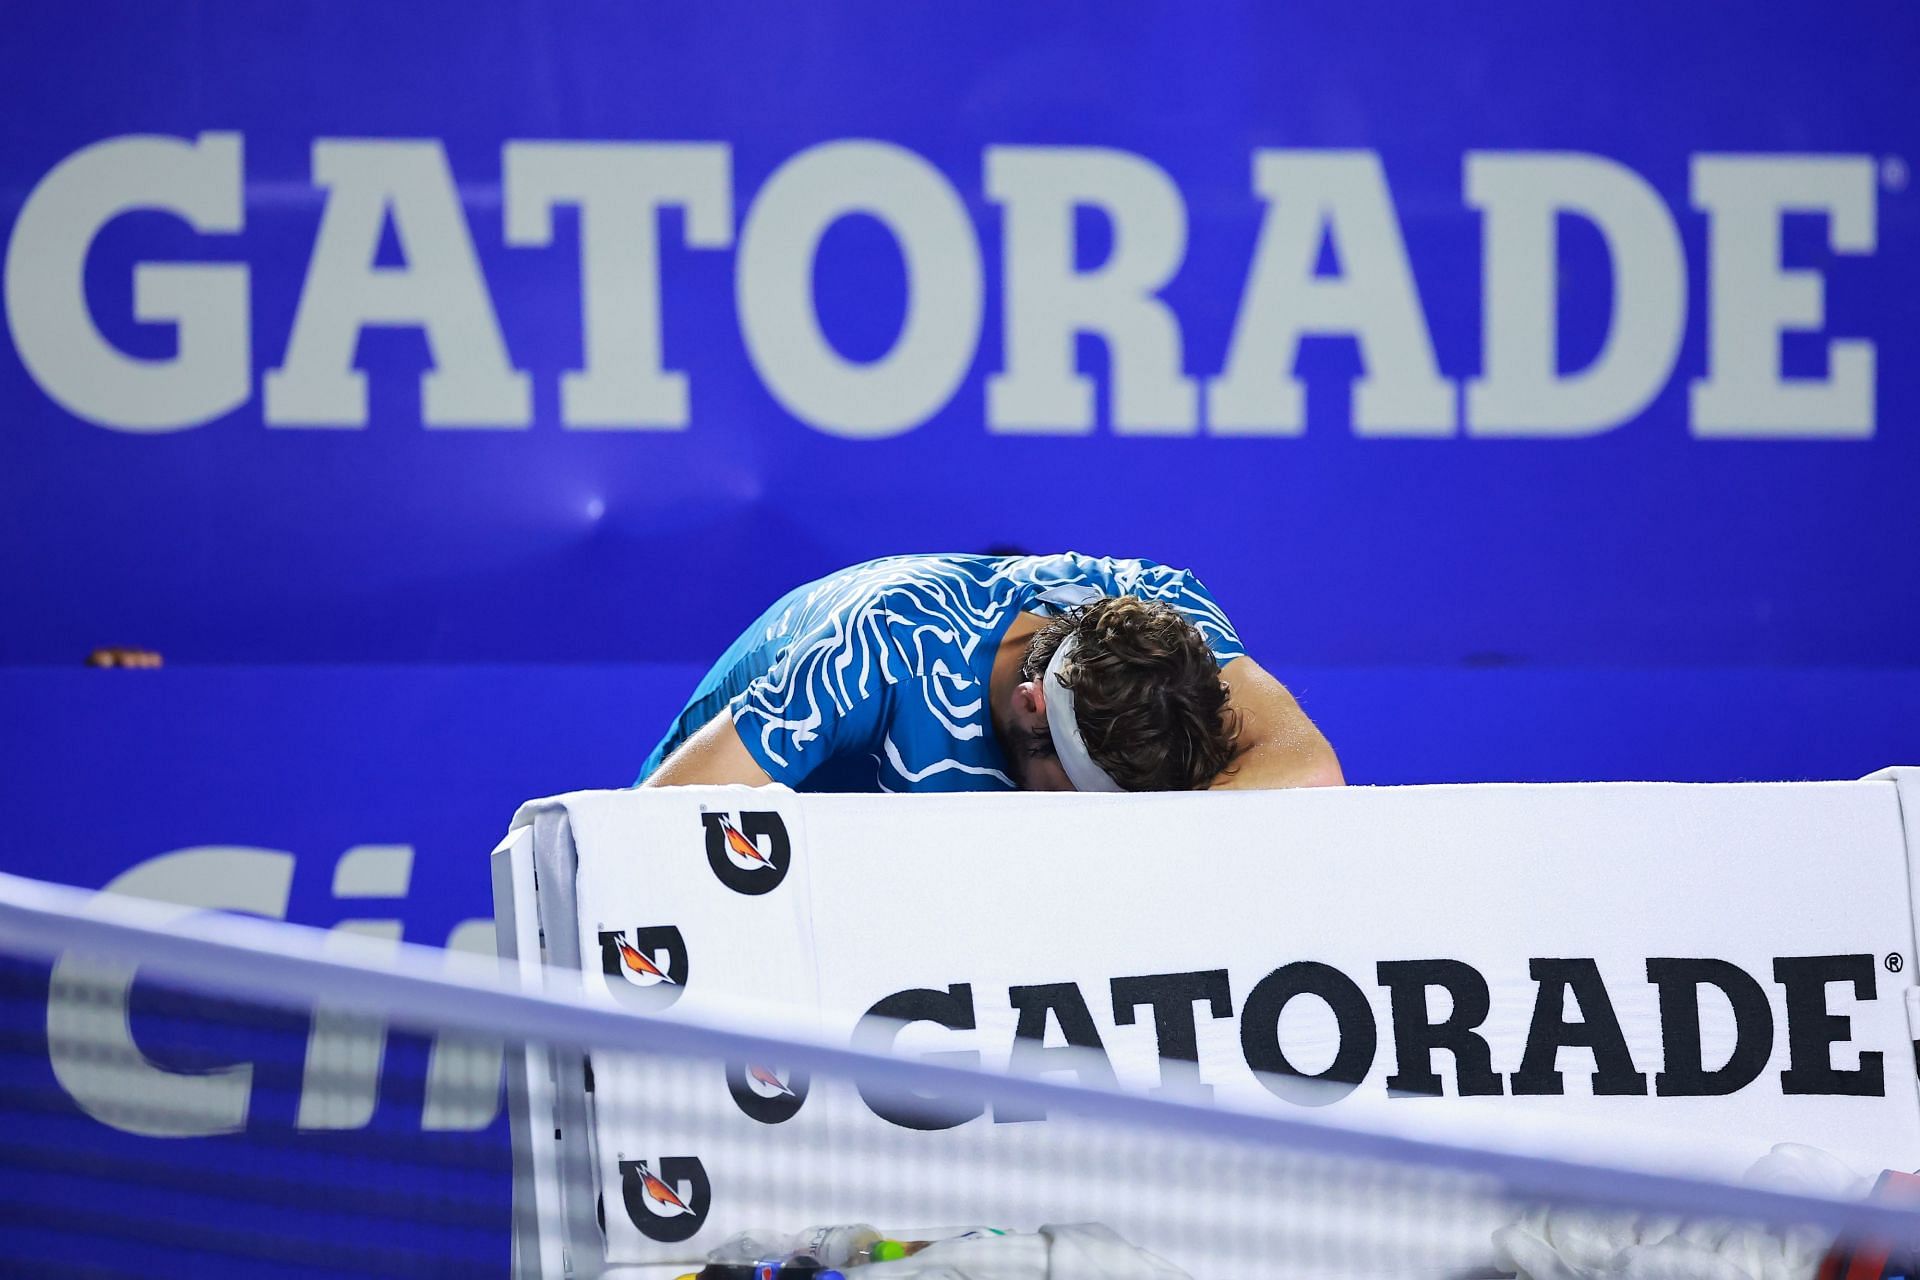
46, 290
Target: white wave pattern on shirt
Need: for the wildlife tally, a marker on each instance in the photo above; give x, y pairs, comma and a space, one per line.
836, 666
878, 621
939, 766
965, 722
954, 719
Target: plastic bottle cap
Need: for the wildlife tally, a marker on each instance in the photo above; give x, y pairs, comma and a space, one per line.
888, 1251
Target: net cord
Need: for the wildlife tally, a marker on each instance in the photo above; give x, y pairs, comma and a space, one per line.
296, 967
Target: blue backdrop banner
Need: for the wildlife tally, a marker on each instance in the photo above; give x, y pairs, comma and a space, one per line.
1534, 388
351, 331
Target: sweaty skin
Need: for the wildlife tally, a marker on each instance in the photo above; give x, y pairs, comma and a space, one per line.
1278, 745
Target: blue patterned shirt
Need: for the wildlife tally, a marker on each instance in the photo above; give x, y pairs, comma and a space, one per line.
875, 678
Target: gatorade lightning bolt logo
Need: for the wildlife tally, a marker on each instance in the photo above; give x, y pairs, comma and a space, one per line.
650, 971
750, 856
640, 964
668, 1206
765, 1076
765, 1093
744, 849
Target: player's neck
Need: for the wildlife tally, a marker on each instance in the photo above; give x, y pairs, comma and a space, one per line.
1005, 676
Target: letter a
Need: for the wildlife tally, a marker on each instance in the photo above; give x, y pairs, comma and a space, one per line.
1339, 196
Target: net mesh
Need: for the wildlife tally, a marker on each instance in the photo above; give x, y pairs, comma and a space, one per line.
159, 1130
227, 1098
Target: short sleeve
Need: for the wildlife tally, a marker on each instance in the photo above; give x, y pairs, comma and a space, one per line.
1190, 597
823, 697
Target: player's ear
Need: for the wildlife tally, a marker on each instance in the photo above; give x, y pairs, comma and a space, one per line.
1029, 697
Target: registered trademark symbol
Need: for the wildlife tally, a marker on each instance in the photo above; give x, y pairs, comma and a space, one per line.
1893, 173
1894, 961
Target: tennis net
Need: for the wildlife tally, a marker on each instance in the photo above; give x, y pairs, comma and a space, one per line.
220, 1096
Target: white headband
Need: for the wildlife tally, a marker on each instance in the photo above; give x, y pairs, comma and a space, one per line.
1067, 743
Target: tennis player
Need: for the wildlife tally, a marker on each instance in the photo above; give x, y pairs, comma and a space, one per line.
991, 673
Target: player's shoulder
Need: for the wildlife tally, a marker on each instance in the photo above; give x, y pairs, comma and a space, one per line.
1115, 575
952, 589
1168, 584
947, 592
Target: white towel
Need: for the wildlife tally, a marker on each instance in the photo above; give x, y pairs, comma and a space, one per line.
1562, 1244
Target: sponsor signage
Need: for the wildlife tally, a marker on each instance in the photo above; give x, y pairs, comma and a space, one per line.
1566, 357
98, 1063
1305, 200
1694, 960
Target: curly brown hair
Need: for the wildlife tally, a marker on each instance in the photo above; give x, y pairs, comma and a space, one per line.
1147, 693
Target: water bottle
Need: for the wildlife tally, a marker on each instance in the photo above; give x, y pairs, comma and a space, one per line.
835, 1247
746, 1255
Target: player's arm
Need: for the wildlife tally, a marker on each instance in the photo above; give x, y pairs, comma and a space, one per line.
713, 756
1278, 745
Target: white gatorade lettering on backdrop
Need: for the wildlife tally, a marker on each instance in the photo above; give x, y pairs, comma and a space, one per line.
620, 189
1339, 197
206, 303
1753, 300
89, 1002
774, 288
1313, 199
1048, 302
1521, 195
440, 291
